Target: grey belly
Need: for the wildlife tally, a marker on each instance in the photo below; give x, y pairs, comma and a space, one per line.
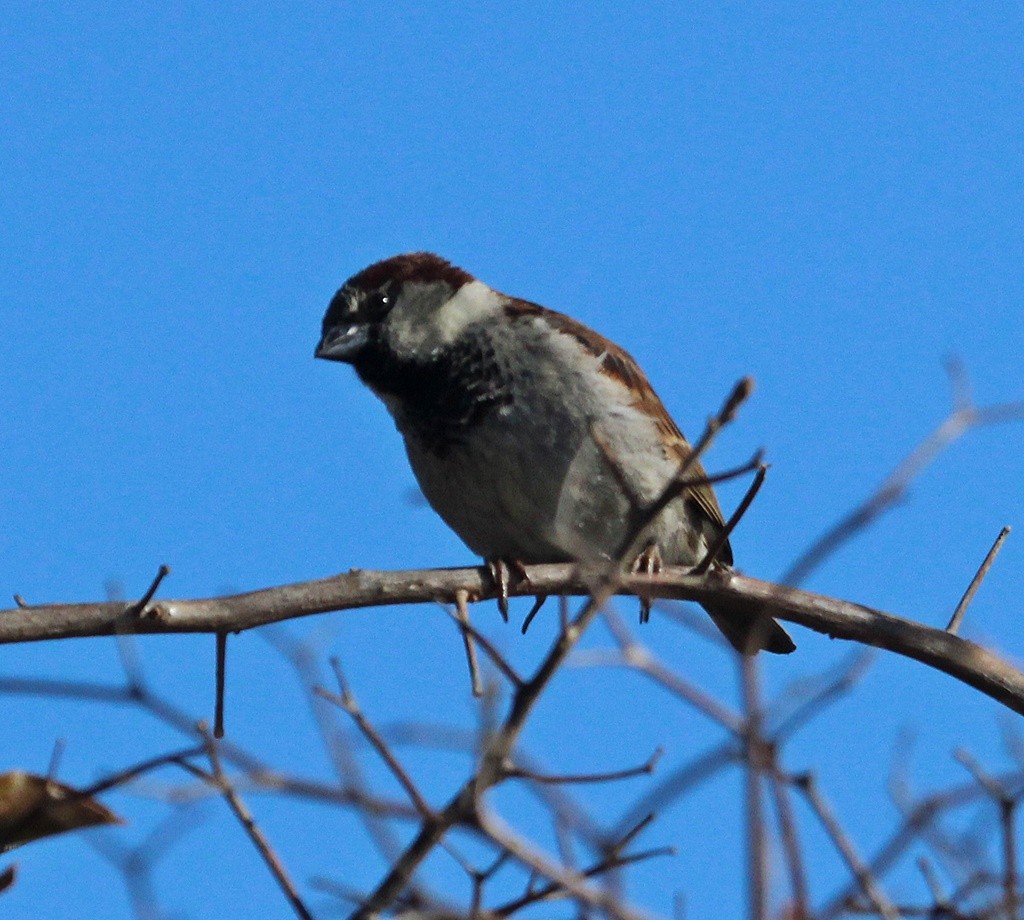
514, 491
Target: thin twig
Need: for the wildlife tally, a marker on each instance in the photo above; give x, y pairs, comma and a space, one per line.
837, 682
680, 483
56, 755
931, 879
866, 880
979, 577
790, 845
644, 769
1007, 805
963, 417
554, 889
496, 657
256, 835
462, 613
754, 745
347, 702
723, 536
561, 881
177, 758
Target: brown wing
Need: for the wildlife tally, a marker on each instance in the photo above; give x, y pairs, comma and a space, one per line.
620, 365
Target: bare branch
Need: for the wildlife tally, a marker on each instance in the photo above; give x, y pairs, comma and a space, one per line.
962, 659
963, 417
468, 629
140, 605
252, 829
644, 769
347, 702
865, 878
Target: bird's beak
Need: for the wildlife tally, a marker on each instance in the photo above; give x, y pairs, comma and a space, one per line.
342, 343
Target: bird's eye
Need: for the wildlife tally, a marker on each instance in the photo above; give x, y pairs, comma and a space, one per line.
377, 305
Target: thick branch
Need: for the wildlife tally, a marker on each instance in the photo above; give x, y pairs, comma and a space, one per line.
840, 619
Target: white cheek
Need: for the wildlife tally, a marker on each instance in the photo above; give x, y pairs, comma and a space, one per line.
473, 302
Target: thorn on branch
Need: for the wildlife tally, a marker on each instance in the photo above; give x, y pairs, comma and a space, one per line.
979, 577
483, 642
218, 706
20, 601
137, 608
56, 755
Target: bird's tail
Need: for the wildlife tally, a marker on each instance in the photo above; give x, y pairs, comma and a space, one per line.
749, 633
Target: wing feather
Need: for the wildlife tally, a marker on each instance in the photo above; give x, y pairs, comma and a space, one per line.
619, 365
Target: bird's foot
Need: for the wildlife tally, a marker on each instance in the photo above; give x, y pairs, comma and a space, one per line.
502, 571
647, 563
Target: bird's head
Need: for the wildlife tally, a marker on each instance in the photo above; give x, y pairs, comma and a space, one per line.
408, 307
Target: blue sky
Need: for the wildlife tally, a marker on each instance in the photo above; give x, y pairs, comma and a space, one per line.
826, 197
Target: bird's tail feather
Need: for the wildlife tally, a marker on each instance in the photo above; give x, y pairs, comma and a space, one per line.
749, 633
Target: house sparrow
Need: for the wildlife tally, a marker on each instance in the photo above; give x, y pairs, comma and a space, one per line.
536, 439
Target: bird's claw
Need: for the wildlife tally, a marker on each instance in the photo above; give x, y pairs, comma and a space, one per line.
501, 574
647, 563
534, 610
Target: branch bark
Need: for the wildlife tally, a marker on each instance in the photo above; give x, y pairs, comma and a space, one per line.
958, 657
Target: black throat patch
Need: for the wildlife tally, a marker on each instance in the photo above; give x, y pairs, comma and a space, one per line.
443, 398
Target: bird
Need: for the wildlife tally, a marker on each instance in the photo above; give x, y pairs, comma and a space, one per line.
535, 438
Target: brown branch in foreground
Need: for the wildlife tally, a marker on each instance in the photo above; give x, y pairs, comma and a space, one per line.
958, 657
